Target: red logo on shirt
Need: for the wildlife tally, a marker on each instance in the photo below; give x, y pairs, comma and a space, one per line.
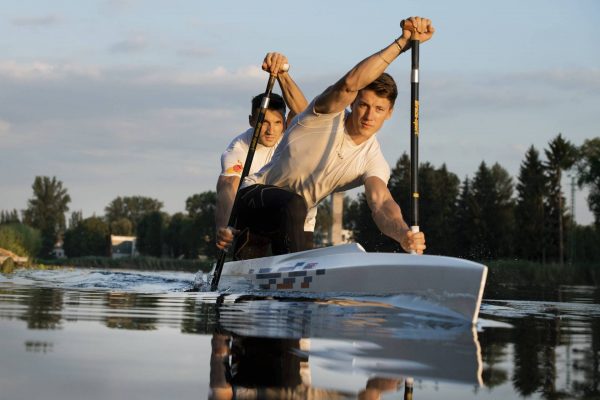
235, 169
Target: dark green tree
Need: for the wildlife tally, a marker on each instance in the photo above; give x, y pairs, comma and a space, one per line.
491, 213
90, 237
530, 208
151, 230
46, 211
465, 225
132, 208
174, 235
76, 218
122, 227
589, 174
9, 217
438, 195
183, 238
586, 249
201, 209
561, 155
505, 211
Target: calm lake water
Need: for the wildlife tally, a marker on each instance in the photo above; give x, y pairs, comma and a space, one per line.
84, 334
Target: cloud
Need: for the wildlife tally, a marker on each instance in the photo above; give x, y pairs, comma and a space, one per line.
134, 44
195, 52
41, 21
45, 71
4, 127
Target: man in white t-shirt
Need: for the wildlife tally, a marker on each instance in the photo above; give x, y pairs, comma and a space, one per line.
234, 157
329, 149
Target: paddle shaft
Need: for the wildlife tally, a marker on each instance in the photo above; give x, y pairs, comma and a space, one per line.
251, 150
414, 136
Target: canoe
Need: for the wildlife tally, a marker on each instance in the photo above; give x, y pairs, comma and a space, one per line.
446, 285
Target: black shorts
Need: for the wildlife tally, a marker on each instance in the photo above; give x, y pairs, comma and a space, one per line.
268, 214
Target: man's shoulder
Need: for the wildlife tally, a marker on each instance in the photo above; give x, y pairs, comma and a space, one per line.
310, 111
244, 137
241, 140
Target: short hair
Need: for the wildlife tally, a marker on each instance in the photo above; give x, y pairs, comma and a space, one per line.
384, 86
276, 103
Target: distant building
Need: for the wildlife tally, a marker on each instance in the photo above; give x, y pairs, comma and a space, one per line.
58, 251
123, 246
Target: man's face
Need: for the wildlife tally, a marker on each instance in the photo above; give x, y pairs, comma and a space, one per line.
272, 128
369, 112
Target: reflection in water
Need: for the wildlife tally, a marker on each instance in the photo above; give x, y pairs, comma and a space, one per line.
38, 347
261, 348
287, 348
267, 368
383, 340
120, 303
43, 309
553, 347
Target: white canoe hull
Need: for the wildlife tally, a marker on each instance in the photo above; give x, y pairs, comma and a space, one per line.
450, 284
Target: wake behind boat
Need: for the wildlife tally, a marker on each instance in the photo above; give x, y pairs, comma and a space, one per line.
453, 286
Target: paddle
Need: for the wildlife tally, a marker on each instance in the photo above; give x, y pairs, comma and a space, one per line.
414, 136
251, 150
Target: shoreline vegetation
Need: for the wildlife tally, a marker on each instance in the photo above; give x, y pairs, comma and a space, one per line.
501, 273
135, 263
504, 274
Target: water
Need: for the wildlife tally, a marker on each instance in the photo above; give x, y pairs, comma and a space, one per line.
82, 334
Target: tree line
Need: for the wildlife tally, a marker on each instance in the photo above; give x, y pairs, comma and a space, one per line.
490, 216
43, 224
486, 217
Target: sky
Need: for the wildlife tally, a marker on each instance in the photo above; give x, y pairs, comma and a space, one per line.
140, 97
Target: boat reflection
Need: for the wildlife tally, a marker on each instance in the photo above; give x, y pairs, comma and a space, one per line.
279, 348
271, 368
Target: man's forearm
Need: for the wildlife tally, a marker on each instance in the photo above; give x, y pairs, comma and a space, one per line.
340, 95
226, 190
293, 96
388, 219
373, 66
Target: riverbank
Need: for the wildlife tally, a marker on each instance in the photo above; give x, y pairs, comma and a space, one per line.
9, 261
532, 273
138, 263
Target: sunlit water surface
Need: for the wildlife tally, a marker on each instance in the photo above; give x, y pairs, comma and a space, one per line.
84, 334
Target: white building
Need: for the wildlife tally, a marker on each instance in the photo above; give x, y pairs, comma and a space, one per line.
123, 246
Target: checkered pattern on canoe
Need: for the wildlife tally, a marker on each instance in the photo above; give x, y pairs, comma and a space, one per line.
297, 276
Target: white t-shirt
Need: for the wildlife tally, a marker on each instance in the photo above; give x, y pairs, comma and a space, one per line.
317, 157
234, 157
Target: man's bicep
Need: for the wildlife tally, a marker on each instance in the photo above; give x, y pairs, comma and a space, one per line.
376, 192
334, 99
